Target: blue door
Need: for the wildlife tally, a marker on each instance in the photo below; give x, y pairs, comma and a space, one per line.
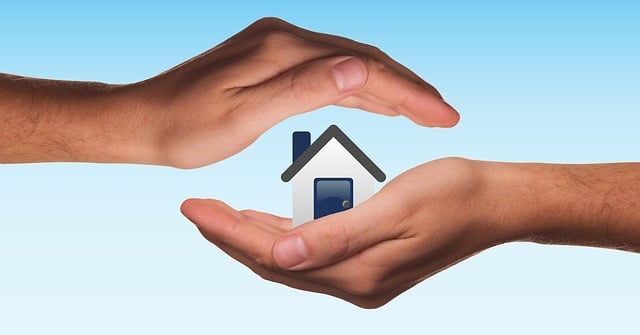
331, 195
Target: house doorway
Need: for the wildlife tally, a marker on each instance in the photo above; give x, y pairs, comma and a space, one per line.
331, 195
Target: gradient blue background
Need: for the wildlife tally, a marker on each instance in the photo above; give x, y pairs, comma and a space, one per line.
102, 249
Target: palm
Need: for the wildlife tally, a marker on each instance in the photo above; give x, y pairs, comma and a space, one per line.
410, 230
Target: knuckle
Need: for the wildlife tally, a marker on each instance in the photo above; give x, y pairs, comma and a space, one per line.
340, 239
276, 39
377, 54
378, 66
263, 265
373, 50
262, 260
374, 53
266, 273
362, 287
371, 303
269, 22
300, 85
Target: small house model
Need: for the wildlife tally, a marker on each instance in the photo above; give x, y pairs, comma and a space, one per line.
329, 176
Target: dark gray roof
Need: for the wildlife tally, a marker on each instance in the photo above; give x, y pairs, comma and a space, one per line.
333, 132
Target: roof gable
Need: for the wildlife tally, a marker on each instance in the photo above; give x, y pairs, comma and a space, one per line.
333, 132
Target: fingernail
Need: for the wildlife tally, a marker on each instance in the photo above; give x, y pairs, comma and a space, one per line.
349, 74
290, 251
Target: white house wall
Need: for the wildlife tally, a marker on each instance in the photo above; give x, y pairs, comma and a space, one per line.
332, 161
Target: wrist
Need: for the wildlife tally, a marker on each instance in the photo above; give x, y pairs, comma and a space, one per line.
129, 123
510, 204
114, 124
522, 201
494, 202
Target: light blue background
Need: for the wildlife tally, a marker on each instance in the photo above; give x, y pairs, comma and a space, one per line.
102, 249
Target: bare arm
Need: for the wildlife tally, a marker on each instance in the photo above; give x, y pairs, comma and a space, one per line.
47, 120
591, 205
427, 219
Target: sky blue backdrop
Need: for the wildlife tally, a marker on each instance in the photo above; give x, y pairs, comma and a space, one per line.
102, 249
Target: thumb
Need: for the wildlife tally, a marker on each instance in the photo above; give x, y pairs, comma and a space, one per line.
336, 237
309, 86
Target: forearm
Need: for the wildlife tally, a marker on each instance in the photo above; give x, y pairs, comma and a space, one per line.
47, 121
591, 204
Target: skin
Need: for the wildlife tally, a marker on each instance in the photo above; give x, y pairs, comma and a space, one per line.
418, 225
211, 106
218, 103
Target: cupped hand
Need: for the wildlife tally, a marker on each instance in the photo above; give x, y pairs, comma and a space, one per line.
216, 104
420, 223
